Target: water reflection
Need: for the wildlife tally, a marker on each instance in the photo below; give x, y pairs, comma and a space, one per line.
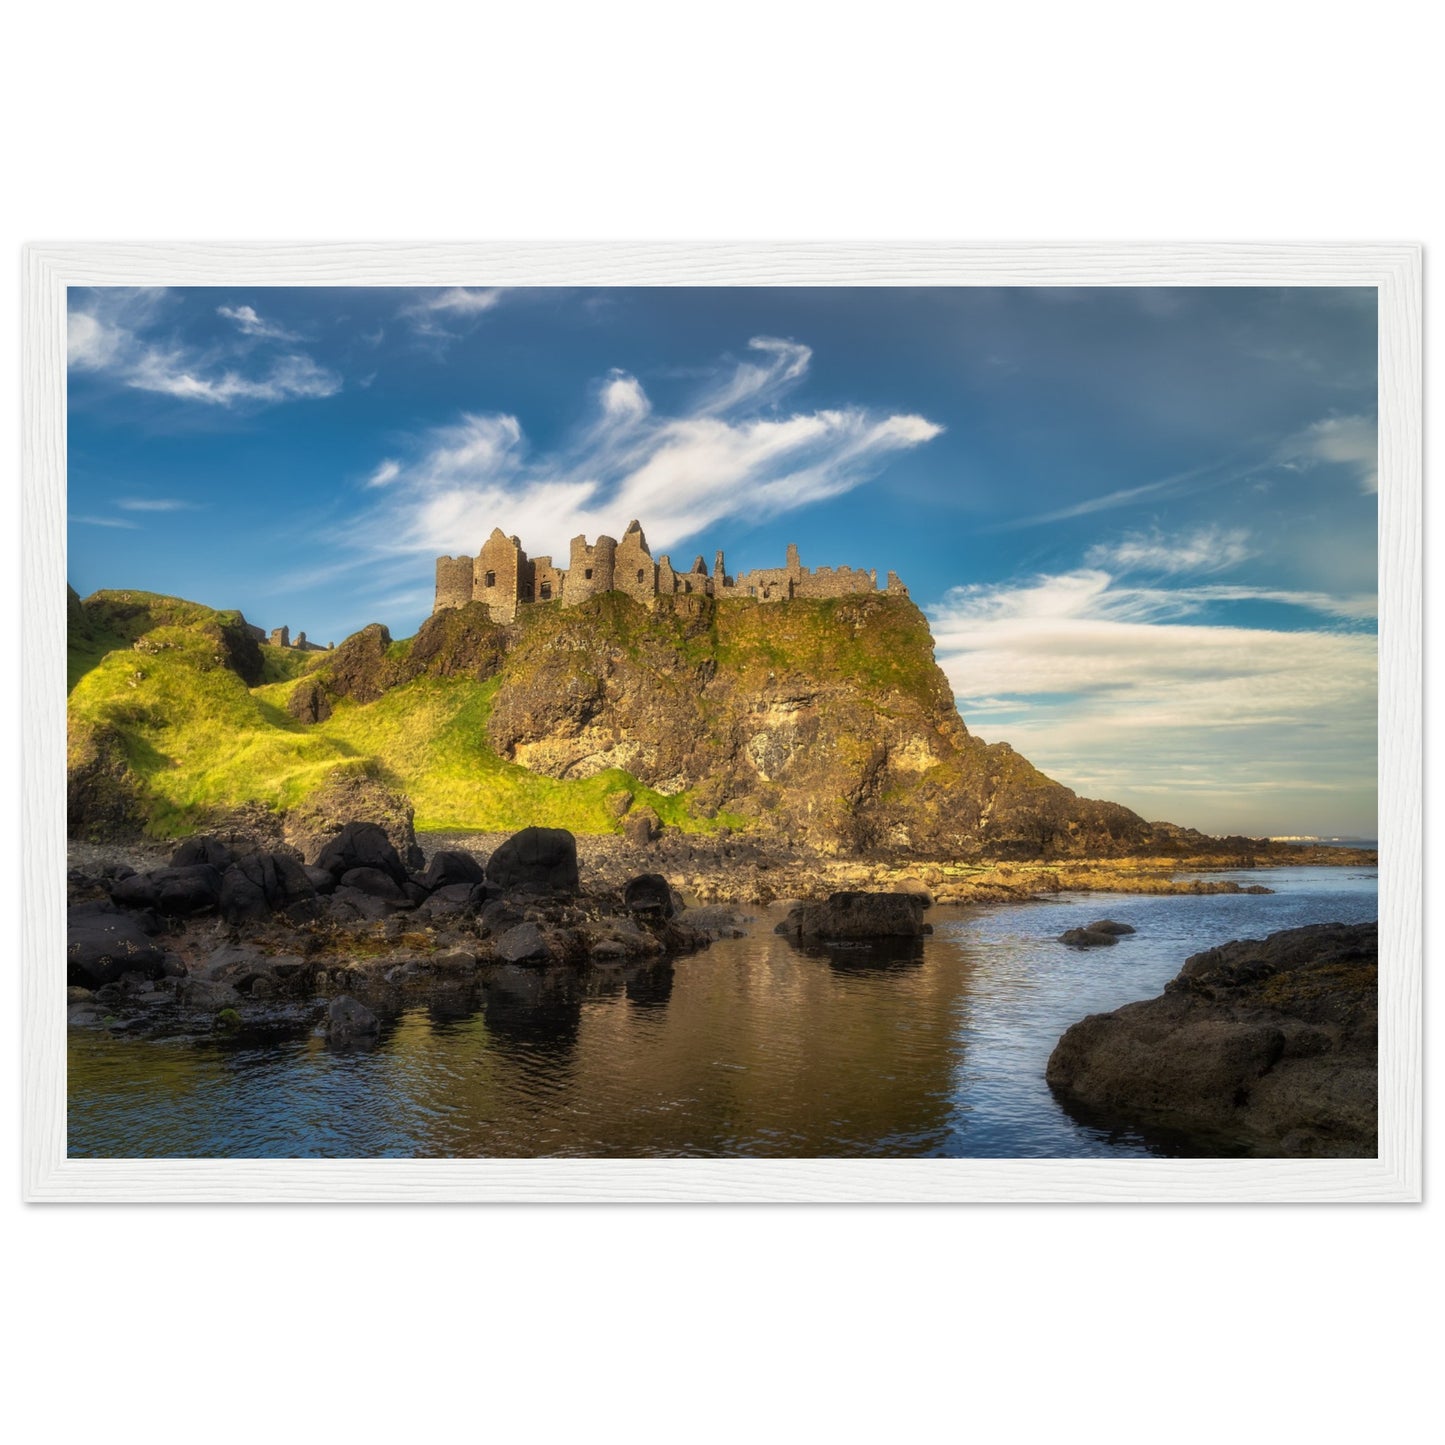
755, 1047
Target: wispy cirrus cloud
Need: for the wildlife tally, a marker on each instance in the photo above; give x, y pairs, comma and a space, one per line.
107, 522
732, 452
440, 317
156, 504
119, 334
1206, 549
249, 323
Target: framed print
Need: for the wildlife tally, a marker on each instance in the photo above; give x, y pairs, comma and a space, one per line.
722, 722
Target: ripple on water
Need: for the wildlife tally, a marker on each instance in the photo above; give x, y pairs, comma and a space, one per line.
751, 1048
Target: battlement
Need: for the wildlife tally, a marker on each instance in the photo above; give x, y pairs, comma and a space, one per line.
505, 578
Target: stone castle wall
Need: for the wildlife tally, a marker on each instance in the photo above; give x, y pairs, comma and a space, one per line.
502, 576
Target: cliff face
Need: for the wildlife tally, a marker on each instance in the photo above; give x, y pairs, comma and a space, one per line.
823, 722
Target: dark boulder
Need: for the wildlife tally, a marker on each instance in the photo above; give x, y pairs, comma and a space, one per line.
450, 901
103, 945
541, 860
649, 895
349, 1021
350, 905
361, 845
322, 879
204, 849
857, 915
374, 882
1267, 1048
172, 892
526, 943
1107, 925
260, 884
1088, 938
450, 867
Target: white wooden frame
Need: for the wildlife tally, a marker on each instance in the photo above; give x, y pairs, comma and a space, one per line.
49, 269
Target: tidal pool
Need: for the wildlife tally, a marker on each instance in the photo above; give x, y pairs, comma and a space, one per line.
751, 1048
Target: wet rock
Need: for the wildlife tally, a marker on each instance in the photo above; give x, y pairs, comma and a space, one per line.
321, 879
1107, 925
172, 892
351, 905
649, 895
451, 901
348, 1020
206, 994
857, 915
204, 848
1088, 938
259, 884
103, 946
450, 867
526, 943
375, 882
536, 860
361, 845
1269, 1047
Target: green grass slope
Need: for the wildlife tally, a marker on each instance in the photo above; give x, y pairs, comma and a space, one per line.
154, 678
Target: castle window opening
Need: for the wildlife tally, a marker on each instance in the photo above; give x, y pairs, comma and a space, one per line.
546, 591
588, 574
687, 586
491, 579
639, 574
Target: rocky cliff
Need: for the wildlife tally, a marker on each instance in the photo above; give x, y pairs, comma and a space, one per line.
822, 722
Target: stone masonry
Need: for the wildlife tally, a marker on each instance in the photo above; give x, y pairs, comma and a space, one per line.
506, 579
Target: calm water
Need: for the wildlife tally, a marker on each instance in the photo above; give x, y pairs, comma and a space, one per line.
750, 1048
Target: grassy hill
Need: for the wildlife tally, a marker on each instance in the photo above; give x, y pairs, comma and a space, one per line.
825, 723
155, 679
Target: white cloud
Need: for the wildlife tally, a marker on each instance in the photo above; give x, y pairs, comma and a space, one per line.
251, 324
176, 373
1350, 441
724, 456
439, 317
1208, 549
155, 504
108, 522
463, 300
1116, 692
91, 344
115, 333
388, 471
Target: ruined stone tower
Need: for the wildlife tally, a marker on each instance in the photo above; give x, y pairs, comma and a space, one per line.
504, 578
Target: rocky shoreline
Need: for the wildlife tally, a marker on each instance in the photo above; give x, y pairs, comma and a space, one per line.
211, 939
711, 869
1260, 1047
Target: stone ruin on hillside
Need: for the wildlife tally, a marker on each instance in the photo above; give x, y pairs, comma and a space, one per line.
505, 578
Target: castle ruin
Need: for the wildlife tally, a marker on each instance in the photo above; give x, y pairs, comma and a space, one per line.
506, 579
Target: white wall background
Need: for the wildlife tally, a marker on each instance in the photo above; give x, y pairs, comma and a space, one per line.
430, 121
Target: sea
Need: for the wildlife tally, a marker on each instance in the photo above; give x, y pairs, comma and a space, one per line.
752, 1048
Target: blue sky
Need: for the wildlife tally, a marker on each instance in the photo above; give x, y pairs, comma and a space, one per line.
1142, 522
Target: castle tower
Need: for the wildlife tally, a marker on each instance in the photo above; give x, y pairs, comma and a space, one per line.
590, 570
501, 576
634, 571
454, 582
